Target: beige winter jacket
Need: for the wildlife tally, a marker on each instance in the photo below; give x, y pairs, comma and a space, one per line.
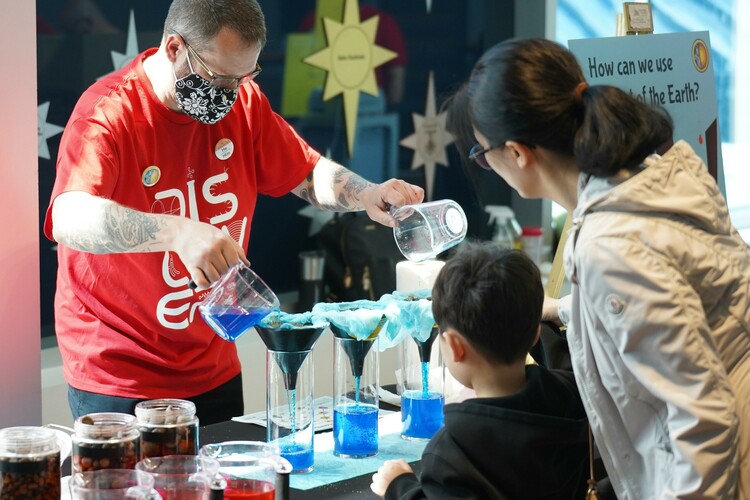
659, 330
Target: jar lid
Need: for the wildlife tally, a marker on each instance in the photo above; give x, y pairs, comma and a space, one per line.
27, 440
165, 411
104, 425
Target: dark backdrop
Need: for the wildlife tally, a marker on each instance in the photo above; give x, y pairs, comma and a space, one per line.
447, 41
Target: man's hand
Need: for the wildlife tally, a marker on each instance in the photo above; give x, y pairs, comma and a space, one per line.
387, 472
206, 251
378, 198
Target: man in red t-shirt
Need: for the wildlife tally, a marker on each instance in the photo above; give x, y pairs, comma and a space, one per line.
158, 173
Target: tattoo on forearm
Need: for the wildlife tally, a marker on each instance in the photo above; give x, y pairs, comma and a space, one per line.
308, 193
128, 229
346, 187
353, 185
124, 230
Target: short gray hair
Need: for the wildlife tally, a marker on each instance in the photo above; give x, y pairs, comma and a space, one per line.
199, 21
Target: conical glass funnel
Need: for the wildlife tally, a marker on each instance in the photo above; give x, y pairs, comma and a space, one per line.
425, 346
290, 347
356, 350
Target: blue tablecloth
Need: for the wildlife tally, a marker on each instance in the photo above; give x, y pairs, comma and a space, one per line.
329, 468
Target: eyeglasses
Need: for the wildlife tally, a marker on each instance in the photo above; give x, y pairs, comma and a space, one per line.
477, 154
217, 80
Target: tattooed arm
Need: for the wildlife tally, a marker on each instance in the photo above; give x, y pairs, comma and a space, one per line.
92, 224
330, 186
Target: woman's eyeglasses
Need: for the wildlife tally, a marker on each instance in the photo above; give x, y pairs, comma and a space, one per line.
477, 155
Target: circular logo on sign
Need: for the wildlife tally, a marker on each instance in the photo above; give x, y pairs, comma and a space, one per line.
700, 55
224, 149
151, 176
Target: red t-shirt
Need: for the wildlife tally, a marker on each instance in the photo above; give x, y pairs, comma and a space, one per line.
127, 324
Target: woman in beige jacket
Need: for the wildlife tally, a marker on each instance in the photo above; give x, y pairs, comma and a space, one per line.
659, 317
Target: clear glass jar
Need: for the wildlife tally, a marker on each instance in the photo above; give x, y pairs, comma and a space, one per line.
105, 441
167, 427
355, 398
421, 383
29, 463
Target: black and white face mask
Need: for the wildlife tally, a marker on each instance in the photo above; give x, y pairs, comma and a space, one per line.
200, 100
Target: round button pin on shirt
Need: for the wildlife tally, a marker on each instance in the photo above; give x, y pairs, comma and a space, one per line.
224, 149
151, 176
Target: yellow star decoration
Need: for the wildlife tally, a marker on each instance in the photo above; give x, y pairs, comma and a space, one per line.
350, 59
429, 139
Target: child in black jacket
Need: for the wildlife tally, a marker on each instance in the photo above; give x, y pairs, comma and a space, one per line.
525, 435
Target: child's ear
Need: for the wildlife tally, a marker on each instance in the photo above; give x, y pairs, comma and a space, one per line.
538, 334
456, 345
521, 153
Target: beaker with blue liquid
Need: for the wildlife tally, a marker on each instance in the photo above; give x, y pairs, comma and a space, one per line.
289, 378
421, 385
237, 302
355, 401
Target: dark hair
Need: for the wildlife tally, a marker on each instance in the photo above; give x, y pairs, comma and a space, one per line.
493, 297
199, 21
526, 90
458, 123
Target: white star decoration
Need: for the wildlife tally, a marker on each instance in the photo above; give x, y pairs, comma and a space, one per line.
131, 47
45, 130
319, 218
429, 139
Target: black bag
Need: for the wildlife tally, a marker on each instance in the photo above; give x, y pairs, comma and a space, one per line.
360, 260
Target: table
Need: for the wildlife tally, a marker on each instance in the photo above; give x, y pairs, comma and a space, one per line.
348, 489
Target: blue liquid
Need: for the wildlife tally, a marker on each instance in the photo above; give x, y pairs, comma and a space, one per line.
301, 457
230, 322
357, 380
422, 417
425, 380
355, 430
293, 411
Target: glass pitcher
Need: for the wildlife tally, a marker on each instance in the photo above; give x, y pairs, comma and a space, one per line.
251, 469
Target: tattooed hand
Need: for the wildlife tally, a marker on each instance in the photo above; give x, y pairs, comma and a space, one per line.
330, 186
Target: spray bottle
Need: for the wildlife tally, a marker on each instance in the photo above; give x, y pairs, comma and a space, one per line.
506, 229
